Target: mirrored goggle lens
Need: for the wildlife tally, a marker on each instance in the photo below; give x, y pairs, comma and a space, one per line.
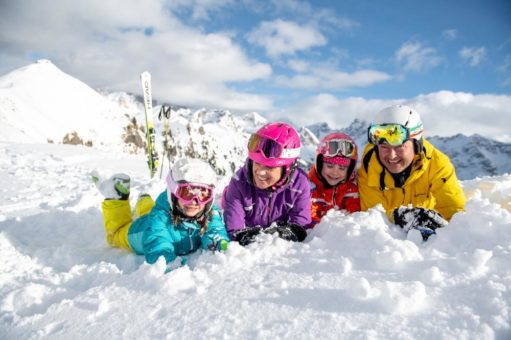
392, 134
269, 148
341, 147
189, 192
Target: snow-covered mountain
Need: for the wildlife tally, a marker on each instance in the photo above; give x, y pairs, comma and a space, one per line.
41, 103
473, 156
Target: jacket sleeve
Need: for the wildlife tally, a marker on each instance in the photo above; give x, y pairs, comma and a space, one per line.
369, 196
316, 214
446, 190
234, 214
216, 230
300, 213
351, 200
156, 238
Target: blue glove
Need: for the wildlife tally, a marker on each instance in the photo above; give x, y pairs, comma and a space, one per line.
422, 219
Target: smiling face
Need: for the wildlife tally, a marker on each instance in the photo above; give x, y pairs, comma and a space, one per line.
191, 209
333, 173
265, 176
396, 158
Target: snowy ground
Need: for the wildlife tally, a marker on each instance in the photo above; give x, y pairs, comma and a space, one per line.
355, 277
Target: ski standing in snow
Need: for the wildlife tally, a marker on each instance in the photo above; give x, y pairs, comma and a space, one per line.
165, 112
152, 153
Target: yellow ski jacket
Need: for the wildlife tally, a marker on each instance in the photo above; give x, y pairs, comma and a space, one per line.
432, 183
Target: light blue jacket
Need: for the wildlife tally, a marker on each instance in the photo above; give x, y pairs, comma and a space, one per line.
154, 235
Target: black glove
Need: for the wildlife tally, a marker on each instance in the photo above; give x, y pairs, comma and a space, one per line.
288, 232
422, 219
246, 236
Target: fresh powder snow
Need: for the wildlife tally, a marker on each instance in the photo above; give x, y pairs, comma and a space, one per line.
355, 276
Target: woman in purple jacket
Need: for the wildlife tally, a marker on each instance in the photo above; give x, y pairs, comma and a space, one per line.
269, 193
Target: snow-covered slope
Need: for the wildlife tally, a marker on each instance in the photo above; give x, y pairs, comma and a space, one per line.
355, 276
40, 103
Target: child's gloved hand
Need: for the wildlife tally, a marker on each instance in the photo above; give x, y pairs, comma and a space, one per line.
246, 236
176, 263
288, 231
422, 219
218, 245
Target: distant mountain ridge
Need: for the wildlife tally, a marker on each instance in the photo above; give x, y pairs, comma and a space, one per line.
39, 103
473, 156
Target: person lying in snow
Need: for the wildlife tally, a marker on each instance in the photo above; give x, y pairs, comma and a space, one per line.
269, 193
332, 176
414, 181
183, 220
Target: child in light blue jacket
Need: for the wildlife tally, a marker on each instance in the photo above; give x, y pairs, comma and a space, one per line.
183, 220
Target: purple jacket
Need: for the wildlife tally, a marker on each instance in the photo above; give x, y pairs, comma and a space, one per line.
245, 205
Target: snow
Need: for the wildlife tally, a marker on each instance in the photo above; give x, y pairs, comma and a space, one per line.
355, 276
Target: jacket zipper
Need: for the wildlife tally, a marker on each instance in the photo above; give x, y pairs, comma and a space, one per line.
268, 208
190, 239
334, 200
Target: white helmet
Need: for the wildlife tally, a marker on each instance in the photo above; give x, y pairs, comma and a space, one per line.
189, 171
403, 115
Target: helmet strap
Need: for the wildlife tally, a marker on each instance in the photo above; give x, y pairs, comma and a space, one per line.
418, 146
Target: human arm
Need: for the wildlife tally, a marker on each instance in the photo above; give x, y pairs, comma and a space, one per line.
234, 214
300, 211
156, 237
445, 188
215, 237
351, 199
369, 196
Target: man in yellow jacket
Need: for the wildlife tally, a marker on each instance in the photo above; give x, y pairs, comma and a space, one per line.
415, 182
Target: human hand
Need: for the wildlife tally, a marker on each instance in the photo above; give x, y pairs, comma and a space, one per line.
422, 219
246, 235
288, 231
220, 245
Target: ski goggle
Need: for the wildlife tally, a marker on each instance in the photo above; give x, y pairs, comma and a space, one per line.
188, 192
341, 147
391, 134
270, 148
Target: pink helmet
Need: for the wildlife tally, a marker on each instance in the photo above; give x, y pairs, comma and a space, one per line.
337, 148
275, 144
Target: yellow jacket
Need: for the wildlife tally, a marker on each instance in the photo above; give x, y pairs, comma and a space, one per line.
432, 183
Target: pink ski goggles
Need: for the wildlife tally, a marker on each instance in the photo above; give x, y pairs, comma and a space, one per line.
341, 147
188, 192
270, 148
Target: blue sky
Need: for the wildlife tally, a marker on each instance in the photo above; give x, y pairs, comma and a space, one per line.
307, 61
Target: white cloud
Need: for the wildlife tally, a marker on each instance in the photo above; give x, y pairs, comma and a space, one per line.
110, 43
450, 34
444, 113
416, 57
328, 78
285, 37
201, 9
298, 65
474, 56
